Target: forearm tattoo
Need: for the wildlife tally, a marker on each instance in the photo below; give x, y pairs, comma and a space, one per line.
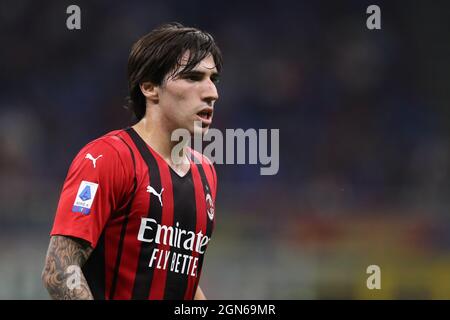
62, 275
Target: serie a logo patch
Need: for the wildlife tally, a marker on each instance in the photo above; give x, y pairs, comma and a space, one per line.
85, 197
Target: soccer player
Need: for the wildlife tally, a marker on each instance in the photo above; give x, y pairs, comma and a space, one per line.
131, 222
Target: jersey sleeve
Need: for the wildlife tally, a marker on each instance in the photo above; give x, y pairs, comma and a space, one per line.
95, 186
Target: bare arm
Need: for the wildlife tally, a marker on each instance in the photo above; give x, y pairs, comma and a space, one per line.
62, 275
199, 295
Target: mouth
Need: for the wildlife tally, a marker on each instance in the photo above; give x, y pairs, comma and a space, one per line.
205, 115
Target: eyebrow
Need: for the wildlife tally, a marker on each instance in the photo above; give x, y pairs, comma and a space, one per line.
199, 73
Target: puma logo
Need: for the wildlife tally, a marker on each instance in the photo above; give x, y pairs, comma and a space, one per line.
94, 160
153, 191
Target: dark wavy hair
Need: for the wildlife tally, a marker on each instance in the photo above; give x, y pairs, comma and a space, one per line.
159, 52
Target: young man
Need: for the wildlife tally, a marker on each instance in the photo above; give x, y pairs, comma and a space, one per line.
131, 223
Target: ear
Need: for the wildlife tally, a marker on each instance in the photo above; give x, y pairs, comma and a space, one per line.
150, 91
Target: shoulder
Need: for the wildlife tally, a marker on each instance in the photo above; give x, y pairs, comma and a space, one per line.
201, 158
206, 164
112, 143
110, 150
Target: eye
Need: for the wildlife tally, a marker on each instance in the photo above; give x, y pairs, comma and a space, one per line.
215, 80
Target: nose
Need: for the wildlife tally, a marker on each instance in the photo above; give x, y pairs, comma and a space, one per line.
210, 94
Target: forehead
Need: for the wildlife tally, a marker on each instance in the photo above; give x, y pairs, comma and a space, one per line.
205, 65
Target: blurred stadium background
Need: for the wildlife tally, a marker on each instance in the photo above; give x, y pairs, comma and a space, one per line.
364, 139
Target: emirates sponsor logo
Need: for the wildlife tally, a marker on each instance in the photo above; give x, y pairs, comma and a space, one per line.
152, 232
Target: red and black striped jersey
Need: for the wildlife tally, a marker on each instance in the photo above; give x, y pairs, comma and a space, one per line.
149, 227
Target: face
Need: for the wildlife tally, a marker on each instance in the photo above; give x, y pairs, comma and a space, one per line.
190, 96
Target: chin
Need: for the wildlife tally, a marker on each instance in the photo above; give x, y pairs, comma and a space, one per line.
199, 130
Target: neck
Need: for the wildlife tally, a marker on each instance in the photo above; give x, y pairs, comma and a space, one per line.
157, 135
